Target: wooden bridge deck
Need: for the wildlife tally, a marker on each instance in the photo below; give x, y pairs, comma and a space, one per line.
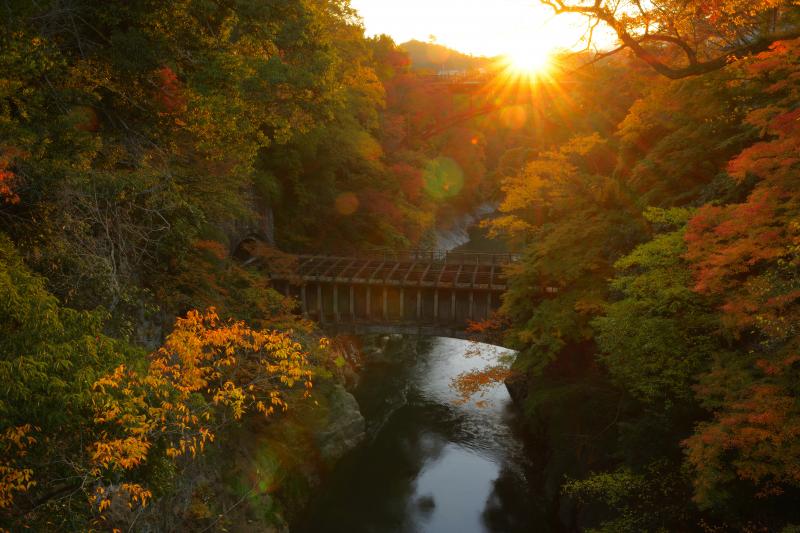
412, 289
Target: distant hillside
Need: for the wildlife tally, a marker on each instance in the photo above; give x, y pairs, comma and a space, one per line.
431, 56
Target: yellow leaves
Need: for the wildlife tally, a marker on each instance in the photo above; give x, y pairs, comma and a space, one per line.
125, 453
233, 367
14, 478
19, 436
138, 494
104, 504
133, 494
232, 396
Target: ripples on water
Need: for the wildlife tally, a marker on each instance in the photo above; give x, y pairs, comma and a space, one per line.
430, 463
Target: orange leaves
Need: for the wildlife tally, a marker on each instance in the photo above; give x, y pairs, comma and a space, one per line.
727, 242
490, 330
775, 159
131, 493
125, 453
216, 249
14, 443
235, 369
468, 384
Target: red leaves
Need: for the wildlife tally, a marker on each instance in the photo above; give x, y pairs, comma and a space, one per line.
7, 177
724, 243
786, 123
777, 159
170, 94
7, 195
381, 205
747, 251
410, 179
759, 432
739, 252
749, 254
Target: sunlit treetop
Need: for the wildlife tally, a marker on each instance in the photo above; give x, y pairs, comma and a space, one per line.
682, 38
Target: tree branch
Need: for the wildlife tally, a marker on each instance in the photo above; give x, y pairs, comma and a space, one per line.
637, 43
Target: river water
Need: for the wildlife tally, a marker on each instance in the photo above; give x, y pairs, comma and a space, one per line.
431, 463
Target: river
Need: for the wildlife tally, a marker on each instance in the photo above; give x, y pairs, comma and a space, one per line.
431, 463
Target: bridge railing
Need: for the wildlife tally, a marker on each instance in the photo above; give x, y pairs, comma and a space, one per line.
439, 256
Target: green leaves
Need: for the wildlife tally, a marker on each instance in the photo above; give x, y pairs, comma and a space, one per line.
49, 358
659, 336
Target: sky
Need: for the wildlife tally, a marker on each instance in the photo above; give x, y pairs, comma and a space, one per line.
478, 27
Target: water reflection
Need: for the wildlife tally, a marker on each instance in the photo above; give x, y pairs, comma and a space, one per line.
430, 464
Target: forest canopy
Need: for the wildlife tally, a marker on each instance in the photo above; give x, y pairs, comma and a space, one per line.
157, 157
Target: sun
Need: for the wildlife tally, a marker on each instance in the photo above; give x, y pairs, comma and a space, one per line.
530, 58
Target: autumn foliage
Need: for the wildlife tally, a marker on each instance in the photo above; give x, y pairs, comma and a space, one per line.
235, 369
7, 176
676, 264
748, 256
96, 430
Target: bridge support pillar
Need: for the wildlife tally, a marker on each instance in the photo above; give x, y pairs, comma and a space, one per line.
385, 304
471, 315
436, 305
488, 304
369, 302
352, 303
419, 304
402, 304
336, 303
453, 306
320, 307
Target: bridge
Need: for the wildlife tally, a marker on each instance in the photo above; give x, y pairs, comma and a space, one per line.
415, 292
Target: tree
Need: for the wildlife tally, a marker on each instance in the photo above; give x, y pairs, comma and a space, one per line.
84, 416
575, 224
658, 337
50, 356
679, 39
125, 137
748, 256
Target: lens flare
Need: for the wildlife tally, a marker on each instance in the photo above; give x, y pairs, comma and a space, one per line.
346, 203
443, 178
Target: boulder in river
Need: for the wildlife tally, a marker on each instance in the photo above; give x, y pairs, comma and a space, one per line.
344, 428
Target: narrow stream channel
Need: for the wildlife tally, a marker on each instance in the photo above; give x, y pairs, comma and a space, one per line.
430, 463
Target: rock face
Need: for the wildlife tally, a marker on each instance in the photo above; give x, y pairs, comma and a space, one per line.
344, 429
517, 386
